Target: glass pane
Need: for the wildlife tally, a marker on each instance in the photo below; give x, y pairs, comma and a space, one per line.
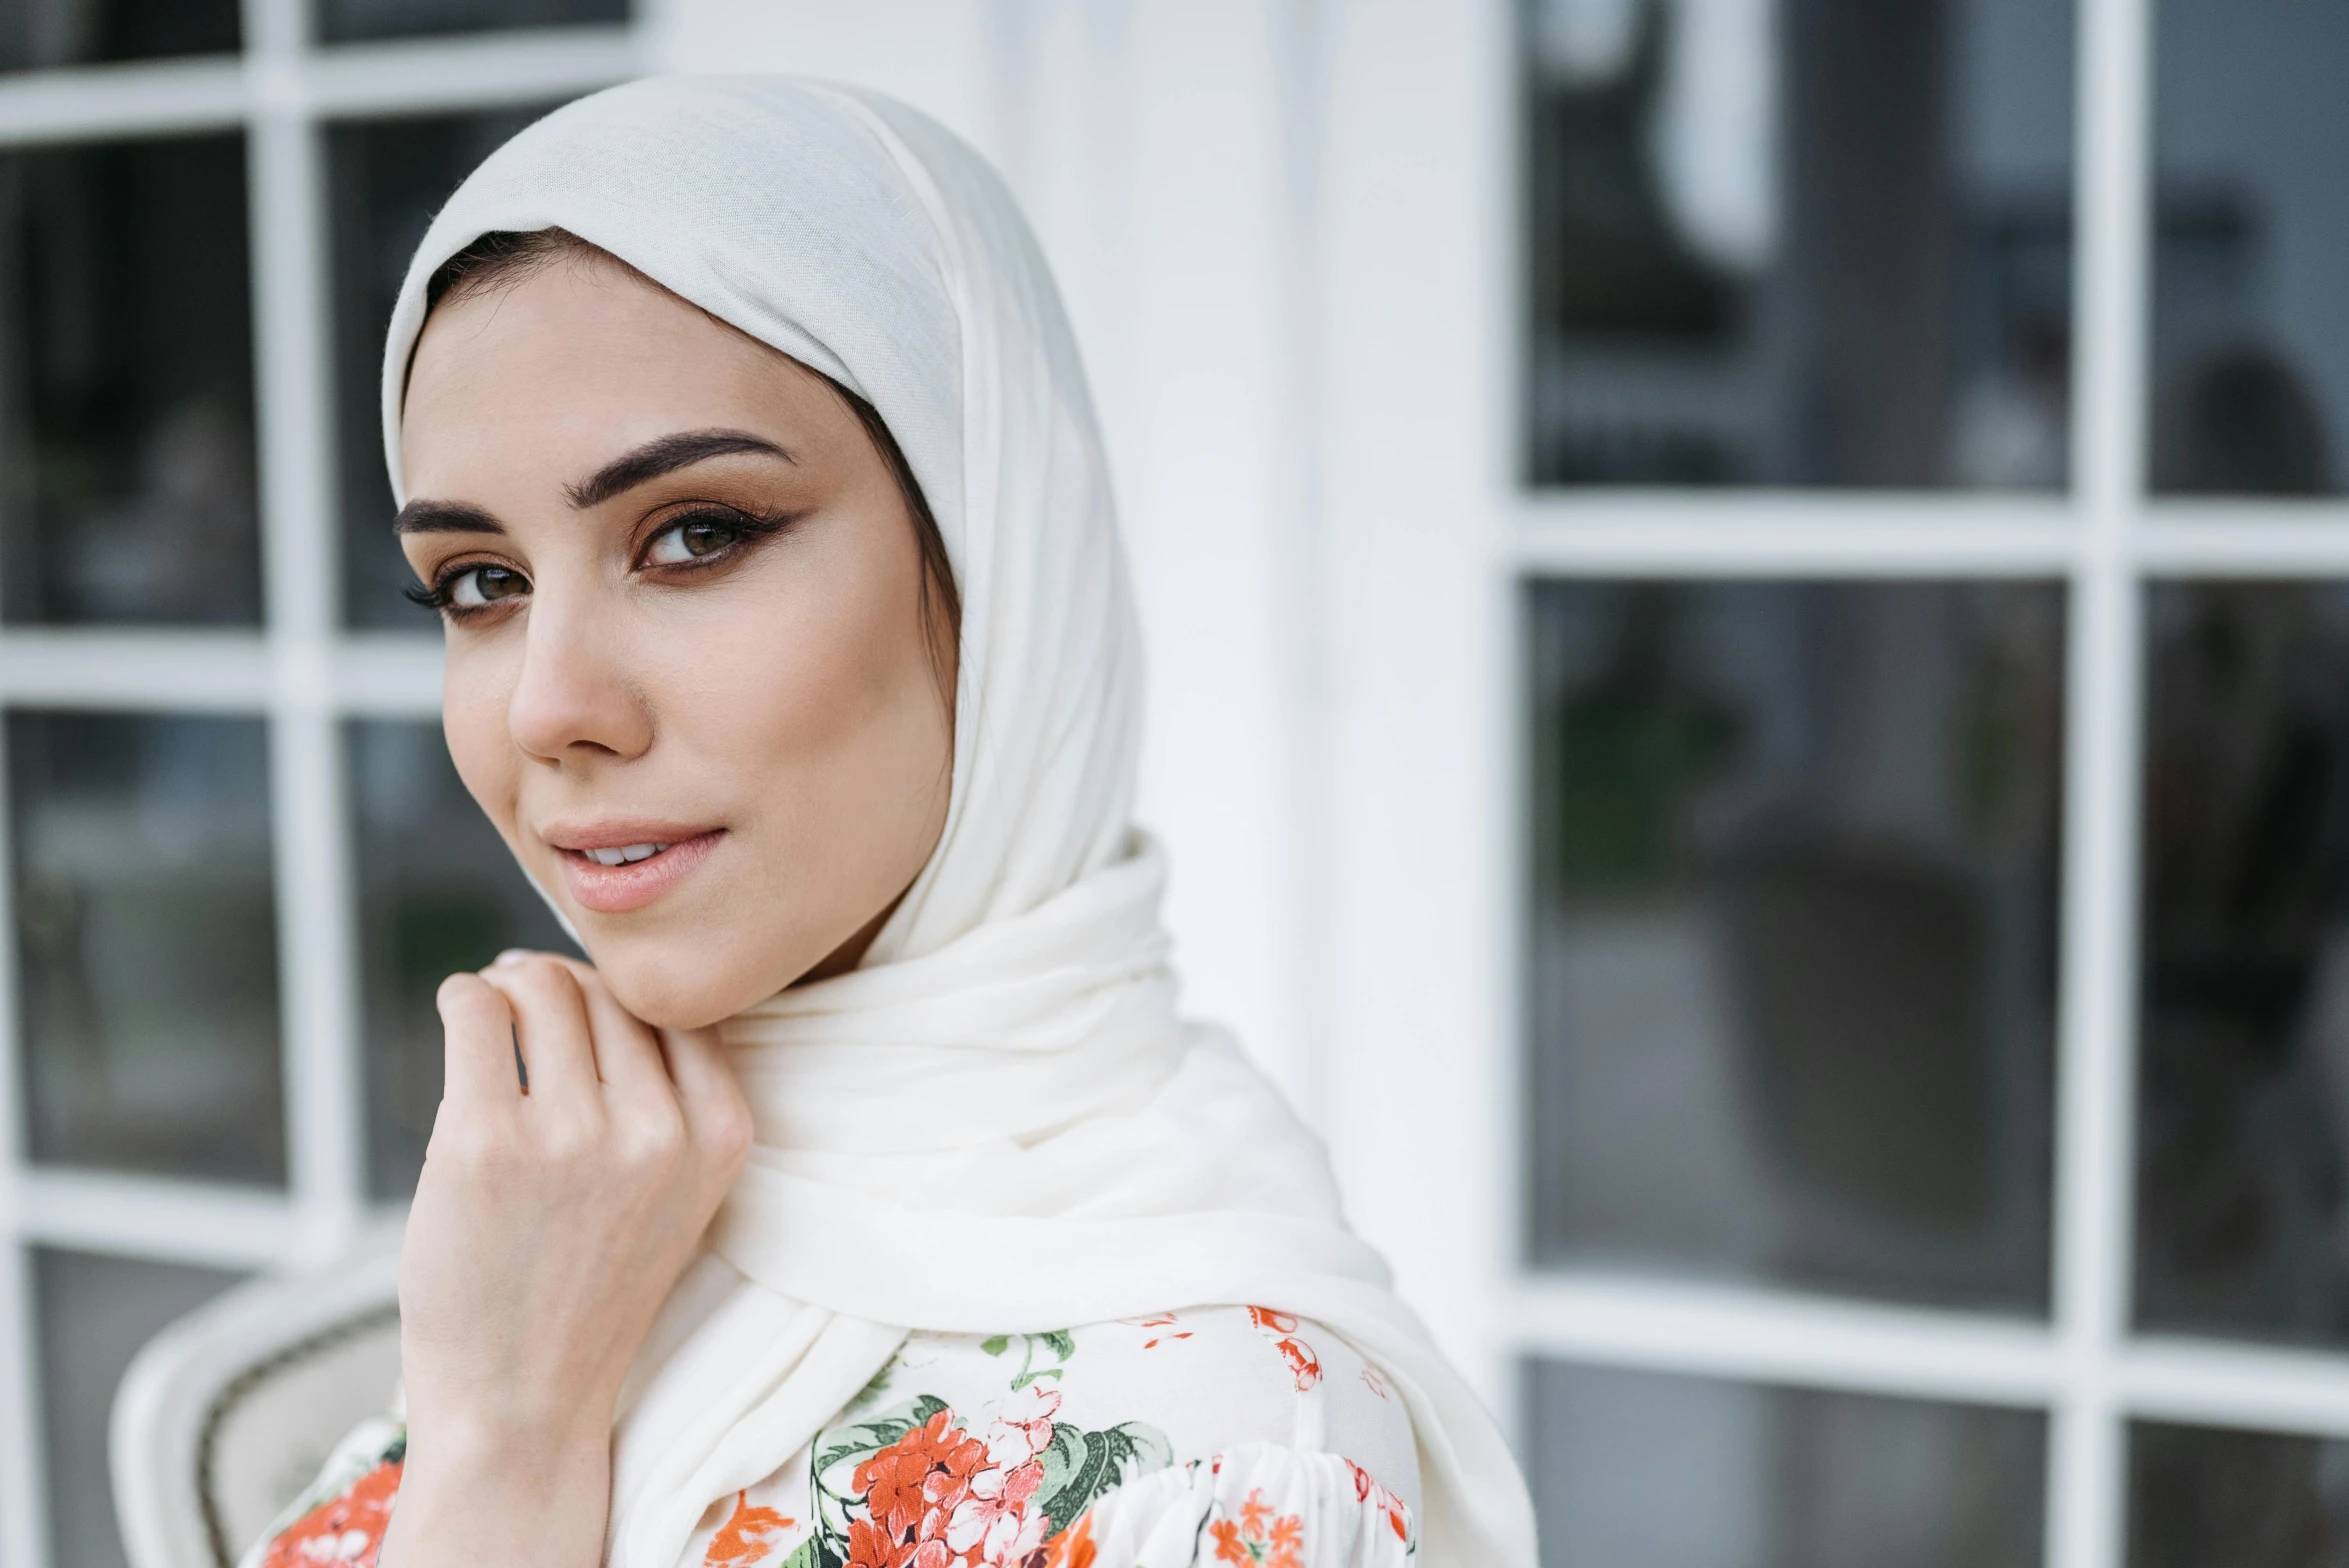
1793, 951
1798, 243
437, 893
2243, 1138
146, 933
345, 21
2199, 1497
2250, 345
388, 178
93, 1315
1644, 1470
126, 384
35, 34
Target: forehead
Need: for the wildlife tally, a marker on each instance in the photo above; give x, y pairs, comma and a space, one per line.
575, 360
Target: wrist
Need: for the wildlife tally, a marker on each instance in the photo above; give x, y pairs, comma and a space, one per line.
479, 1435
484, 1491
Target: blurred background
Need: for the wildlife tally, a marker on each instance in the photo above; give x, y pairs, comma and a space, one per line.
1749, 613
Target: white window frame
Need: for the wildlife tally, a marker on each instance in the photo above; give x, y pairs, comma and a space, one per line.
301, 671
1424, 984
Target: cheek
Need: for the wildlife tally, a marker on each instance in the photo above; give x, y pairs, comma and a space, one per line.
820, 698
797, 694
473, 718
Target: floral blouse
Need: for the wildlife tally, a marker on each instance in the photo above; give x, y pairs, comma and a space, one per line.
1214, 1436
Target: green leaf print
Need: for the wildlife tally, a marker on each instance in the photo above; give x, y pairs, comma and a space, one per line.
806, 1556
1080, 1466
873, 1389
873, 1435
1060, 1341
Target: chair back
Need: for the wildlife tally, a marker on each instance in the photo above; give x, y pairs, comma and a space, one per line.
225, 1416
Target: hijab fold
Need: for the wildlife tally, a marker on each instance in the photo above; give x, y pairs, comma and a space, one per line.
999, 1123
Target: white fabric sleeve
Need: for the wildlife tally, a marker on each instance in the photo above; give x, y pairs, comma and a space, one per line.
1259, 1503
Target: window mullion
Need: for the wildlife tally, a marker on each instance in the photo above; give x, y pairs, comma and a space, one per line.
2096, 1076
23, 1485
315, 943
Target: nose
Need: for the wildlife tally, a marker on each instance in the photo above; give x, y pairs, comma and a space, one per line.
573, 699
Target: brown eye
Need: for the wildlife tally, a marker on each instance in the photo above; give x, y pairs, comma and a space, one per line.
691, 539
480, 585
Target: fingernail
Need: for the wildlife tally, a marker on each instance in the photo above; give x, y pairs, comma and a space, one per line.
512, 955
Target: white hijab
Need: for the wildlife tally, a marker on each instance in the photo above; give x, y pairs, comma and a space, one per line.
998, 1123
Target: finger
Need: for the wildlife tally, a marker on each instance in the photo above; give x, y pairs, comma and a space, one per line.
551, 1029
627, 1052
477, 1027
716, 1113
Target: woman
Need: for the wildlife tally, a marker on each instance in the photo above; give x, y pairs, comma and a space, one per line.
865, 1202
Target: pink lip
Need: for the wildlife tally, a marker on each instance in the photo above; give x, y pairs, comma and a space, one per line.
615, 890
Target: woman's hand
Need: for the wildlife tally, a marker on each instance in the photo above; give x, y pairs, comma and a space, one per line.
549, 1225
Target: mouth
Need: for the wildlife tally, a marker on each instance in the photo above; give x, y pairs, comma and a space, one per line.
626, 855
613, 871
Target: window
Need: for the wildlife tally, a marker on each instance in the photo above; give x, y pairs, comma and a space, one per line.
237, 858
1933, 999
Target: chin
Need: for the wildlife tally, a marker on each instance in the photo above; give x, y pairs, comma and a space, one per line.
677, 988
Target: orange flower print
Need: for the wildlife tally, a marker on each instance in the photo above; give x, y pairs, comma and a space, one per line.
1073, 1548
345, 1531
1260, 1536
1367, 1490
1162, 1320
869, 1548
910, 1489
1304, 1365
746, 1539
1281, 1329
941, 1498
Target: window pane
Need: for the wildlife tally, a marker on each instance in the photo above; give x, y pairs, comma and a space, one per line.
93, 1315
1643, 1470
437, 893
1794, 931
35, 34
1804, 243
345, 21
2250, 345
146, 940
2243, 1139
388, 178
2199, 1496
126, 384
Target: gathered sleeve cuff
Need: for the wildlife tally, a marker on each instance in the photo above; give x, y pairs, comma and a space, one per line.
1260, 1503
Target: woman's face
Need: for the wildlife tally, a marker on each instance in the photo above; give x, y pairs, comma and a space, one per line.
688, 672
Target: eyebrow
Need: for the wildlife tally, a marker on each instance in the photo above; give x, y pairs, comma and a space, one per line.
445, 517
663, 455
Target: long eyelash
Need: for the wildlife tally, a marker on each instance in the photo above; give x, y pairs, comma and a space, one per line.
752, 526
436, 595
